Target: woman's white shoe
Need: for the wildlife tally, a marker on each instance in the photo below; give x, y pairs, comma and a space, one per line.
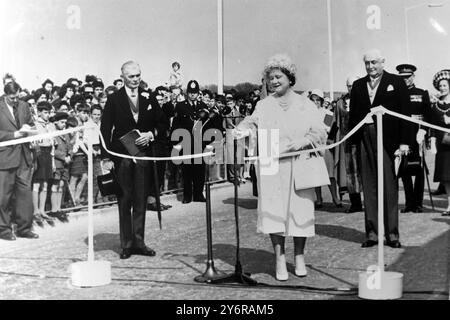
281, 273
300, 268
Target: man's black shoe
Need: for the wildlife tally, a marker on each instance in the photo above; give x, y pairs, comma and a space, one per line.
200, 199
39, 221
125, 254
28, 235
187, 200
418, 209
165, 206
369, 243
62, 216
353, 209
153, 207
394, 244
144, 251
407, 209
8, 236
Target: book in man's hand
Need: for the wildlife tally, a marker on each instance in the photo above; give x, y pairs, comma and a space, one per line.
129, 142
328, 118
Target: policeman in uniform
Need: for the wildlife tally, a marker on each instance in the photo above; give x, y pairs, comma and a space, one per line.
194, 118
419, 108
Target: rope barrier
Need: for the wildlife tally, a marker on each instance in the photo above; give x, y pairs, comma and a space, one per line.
366, 119
43, 136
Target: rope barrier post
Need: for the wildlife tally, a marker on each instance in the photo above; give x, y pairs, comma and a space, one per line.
90, 273
377, 284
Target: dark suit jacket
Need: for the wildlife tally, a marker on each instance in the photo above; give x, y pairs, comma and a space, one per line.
395, 99
117, 119
10, 156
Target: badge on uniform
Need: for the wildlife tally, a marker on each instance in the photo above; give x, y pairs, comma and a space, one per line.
416, 98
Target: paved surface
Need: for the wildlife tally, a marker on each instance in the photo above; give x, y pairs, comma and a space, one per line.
38, 269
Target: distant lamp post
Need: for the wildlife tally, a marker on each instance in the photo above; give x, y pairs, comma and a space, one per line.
407, 9
220, 46
330, 51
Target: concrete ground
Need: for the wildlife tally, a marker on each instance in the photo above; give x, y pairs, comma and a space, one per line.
39, 269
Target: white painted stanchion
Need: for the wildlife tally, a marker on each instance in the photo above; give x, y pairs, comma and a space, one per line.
90, 273
376, 284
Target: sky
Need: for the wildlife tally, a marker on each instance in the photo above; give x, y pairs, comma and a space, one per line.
58, 39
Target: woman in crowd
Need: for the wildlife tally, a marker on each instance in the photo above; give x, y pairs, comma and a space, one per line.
318, 98
282, 210
440, 141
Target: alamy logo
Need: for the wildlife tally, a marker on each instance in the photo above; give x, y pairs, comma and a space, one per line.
189, 143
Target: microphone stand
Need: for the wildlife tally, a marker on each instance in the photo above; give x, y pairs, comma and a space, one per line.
210, 273
238, 276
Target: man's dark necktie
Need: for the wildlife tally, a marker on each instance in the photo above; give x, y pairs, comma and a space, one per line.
133, 106
16, 116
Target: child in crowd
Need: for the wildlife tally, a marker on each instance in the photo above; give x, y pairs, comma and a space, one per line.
94, 120
63, 158
176, 78
78, 169
44, 164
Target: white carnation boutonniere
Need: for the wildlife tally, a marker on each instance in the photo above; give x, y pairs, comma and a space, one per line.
145, 95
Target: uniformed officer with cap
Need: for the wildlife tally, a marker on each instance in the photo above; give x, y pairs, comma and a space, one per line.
419, 108
193, 116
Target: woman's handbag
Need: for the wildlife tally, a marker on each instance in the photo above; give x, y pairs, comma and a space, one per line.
107, 183
310, 171
446, 139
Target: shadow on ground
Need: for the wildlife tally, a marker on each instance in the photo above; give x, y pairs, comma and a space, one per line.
250, 258
106, 241
248, 204
340, 232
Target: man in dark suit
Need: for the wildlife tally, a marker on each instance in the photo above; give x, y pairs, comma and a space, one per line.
192, 121
127, 109
419, 107
378, 88
16, 169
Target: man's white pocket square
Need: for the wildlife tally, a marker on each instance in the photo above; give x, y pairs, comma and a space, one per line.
390, 88
149, 107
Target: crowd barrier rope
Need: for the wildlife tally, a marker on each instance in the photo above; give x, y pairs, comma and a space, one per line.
366, 119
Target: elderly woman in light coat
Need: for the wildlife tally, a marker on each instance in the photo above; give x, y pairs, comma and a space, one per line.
283, 210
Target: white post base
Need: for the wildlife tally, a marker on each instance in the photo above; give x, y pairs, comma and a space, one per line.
380, 285
91, 273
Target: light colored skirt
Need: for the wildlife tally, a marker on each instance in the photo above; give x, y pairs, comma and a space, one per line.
294, 214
